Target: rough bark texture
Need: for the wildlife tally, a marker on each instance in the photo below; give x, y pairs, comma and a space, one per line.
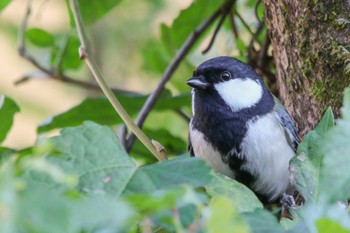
311, 44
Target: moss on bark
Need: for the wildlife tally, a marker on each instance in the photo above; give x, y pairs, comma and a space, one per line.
311, 45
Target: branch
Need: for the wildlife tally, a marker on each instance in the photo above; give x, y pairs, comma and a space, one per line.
233, 25
152, 99
86, 54
49, 73
253, 39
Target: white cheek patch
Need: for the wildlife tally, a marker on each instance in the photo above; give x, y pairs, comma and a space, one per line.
239, 93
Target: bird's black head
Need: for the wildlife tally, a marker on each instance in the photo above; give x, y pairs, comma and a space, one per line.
235, 82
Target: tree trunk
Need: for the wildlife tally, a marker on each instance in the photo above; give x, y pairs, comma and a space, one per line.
311, 44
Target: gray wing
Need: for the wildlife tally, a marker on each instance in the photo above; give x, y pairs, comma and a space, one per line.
288, 124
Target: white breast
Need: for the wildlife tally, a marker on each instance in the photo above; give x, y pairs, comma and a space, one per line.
204, 150
267, 153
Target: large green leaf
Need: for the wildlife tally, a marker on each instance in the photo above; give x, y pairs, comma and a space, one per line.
244, 199
93, 154
167, 174
8, 108
306, 165
49, 211
335, 176
100, 110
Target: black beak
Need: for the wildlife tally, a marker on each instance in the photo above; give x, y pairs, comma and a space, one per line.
198, 82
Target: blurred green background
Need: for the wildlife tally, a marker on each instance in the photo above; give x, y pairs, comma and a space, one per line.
124, 42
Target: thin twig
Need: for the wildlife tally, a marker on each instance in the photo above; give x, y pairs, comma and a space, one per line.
233, 25
49, 73
253, 39
243, 21
87, 55
187, 45
263, 51
216, 31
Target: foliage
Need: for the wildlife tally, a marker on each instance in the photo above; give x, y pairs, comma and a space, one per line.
83, 180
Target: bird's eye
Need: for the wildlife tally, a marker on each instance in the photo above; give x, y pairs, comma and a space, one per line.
225, 75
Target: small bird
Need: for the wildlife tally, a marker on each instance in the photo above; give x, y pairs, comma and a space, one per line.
240, 129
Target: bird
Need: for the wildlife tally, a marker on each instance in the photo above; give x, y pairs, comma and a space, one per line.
240, 128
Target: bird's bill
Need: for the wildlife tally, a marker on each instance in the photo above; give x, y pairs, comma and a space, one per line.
197, 82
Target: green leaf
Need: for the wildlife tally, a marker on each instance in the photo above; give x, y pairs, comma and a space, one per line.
94, 154
37, 215
168, 174
8, 197
244, 199
97, 157
346, 105
310, 143
262, 221
3, 4
306, 165
8, 108
336, 162
224, 217
155, 57
158, 201
100, 110
67, 55
325, 225
316, 215
103, 214
93, 10
63, 213
39, 37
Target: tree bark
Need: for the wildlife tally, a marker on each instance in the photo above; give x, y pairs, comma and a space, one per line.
311, 48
